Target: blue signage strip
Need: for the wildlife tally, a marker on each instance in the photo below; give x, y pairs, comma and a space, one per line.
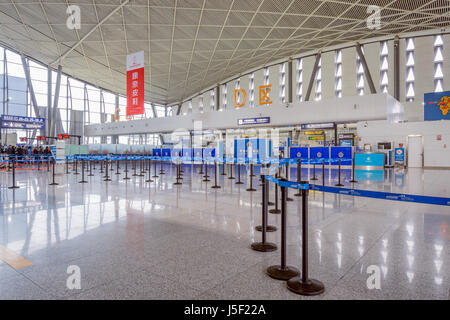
250, 121
437, 106
384, 195
19, 122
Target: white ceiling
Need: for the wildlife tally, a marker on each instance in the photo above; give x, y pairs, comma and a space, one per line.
192, 44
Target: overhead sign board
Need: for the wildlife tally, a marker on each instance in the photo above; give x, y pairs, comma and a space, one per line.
135, 84
311, 133
437, 106
19, 122
253, 121
313, 126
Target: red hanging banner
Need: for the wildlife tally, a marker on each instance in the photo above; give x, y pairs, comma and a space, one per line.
135, 83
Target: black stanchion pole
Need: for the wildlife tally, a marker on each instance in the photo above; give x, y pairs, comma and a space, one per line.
149, 171
251, 189
76, 167
206, 172
101, 166
264, 246
177, 166
14, 175
90, 168
215, 186
67, 165
339, 184
126, 169
314, 178
161, 171
82, 172
288, 174
276, 210
299, 176
201, 167
302, 284
239, 174
353, 171
283, 271
117, 166
251, 169
231, 172
134, 168
141, 166
154, 165
48, 164
223, 166
323, 172
107, 171
53, 174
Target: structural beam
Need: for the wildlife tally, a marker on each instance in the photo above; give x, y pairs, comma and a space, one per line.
90, 32
217, 96
290, 95
55, 103
49, 96
179, 109
362, 58
397, 68
26, 69
313, 76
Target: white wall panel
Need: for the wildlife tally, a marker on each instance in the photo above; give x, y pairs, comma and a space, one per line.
424, 66
372, 55
349, 72
446, 70
274, 80
328, 73
308, 65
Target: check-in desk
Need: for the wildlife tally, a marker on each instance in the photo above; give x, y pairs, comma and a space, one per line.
370, 160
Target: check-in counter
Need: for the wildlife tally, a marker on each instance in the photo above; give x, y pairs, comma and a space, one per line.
370, 160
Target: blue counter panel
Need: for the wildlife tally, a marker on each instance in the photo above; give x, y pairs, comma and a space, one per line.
374, 160
187, 152
166, 152
177, 152
157, 152
299, 153
342, 153
319, 153
210, 152
198, 153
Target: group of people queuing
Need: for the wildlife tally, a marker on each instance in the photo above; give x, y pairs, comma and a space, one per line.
23, 154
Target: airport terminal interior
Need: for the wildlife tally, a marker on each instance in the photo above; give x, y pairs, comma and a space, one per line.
225, 150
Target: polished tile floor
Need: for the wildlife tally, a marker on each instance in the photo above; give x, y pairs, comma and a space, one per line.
137, 240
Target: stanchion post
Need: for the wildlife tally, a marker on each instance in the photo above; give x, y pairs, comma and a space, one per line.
339, 184
223, 165
353, 170
215, 186
314, 178
264, 246
323, 172
276, 210
283, 271
107, 171
239, 173
67, 165
154, 165
14, 186
90, 168
126, 169
149, 163
251, 189
303, 285
299, 175
288, 174
53, 174
82, 172
206, 177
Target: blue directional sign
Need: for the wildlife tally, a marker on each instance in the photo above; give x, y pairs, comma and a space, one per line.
19, 122
253, 121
